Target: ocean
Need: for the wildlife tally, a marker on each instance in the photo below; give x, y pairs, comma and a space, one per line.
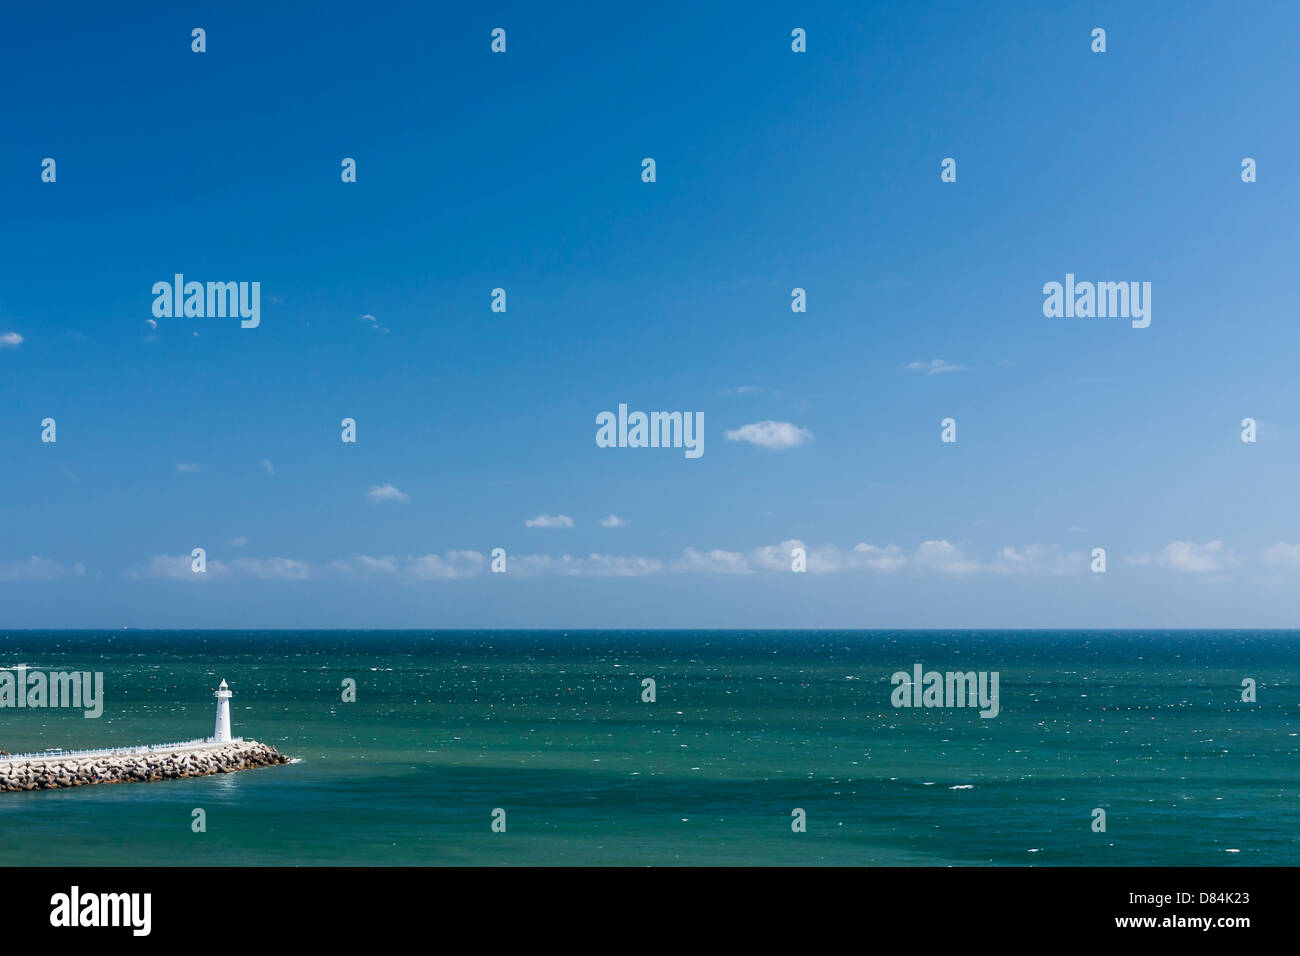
746, 729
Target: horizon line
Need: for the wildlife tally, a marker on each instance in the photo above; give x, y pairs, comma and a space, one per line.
615, 630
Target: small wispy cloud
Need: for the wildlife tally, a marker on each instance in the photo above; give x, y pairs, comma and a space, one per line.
1188, 556
267, 466
273, 569
889, 558
31, 569
777, 436
180, 567
187, 468
460, 565
364, 563
10, 340
177, 567
549, 521
371, 321
1282, 555
934, 367
387, 493
449, 566
238, 542
931, 557
717, 560
613, 521
944, 556
593, 565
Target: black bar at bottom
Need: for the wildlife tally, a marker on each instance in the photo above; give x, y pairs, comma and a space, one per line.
340, 905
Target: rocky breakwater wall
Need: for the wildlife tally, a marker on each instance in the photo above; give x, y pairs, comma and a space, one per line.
133, 766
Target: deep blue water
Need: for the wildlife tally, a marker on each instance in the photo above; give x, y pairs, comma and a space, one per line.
746, 727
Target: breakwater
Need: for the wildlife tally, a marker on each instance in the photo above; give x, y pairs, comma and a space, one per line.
73, 768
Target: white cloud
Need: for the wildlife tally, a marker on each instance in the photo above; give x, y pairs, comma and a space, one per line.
933, 556
1189, 556
387, 493
386, 565
946, 557
1282, 555
549, 521
527, 565
31, 569
273, 569
267, 466
593, 565
930, 556
1038, 559
934, 367
717, 560
889, 558
612, 565
454, 564
152, 323
821, 559
180, 567
949, 558
10, 340
613, 521
937, 556
831, 559
363, 565
177, 568
769, 434
774, 557
186, 468
238, 542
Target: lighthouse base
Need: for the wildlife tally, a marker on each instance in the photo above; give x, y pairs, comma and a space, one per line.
136, 765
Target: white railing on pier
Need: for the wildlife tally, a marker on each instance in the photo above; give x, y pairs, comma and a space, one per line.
138, 751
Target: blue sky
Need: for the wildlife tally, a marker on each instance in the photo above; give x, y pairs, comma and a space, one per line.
522, 171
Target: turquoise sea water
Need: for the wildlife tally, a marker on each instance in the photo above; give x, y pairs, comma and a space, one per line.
747, 726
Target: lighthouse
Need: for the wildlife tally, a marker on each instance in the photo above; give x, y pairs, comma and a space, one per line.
223, 695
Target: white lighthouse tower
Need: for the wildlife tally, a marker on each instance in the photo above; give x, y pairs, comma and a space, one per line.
223, 695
